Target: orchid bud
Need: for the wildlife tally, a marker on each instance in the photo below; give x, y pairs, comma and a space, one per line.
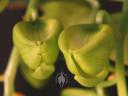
37, 43
86, 48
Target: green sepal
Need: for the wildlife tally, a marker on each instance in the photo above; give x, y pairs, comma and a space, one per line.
43, 72
35, 83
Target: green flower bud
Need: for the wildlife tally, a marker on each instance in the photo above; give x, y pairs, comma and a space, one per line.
69, 12
86, 48
78, 92
37, 43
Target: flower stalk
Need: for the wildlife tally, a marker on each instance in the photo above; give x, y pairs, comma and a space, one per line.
31, 13
120, 71
10, 73
100, 91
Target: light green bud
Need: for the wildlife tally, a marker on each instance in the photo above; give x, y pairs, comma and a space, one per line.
86, 48
37, 43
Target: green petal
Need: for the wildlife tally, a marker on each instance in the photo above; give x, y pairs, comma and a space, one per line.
91, 81
70, 64
43, 72
75, 37
32, 81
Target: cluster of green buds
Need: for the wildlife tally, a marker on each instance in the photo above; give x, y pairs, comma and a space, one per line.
86, 45
83, 33
37, 40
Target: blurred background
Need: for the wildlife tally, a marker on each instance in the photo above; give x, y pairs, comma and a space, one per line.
8, 19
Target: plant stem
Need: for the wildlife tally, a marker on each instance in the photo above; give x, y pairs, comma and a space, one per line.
124, 18
10, 73
120, 71
94, 3
31, 13
125, 5
100, 91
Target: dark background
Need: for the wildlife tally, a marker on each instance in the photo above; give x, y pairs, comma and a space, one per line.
7, 20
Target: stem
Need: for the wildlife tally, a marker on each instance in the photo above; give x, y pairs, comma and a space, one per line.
31, 13
10, 73
120, 71
124, 18
125, 5
100, 91
94, 3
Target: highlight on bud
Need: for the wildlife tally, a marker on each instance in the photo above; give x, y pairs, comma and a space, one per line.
78, 92
37, 43
86, 48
